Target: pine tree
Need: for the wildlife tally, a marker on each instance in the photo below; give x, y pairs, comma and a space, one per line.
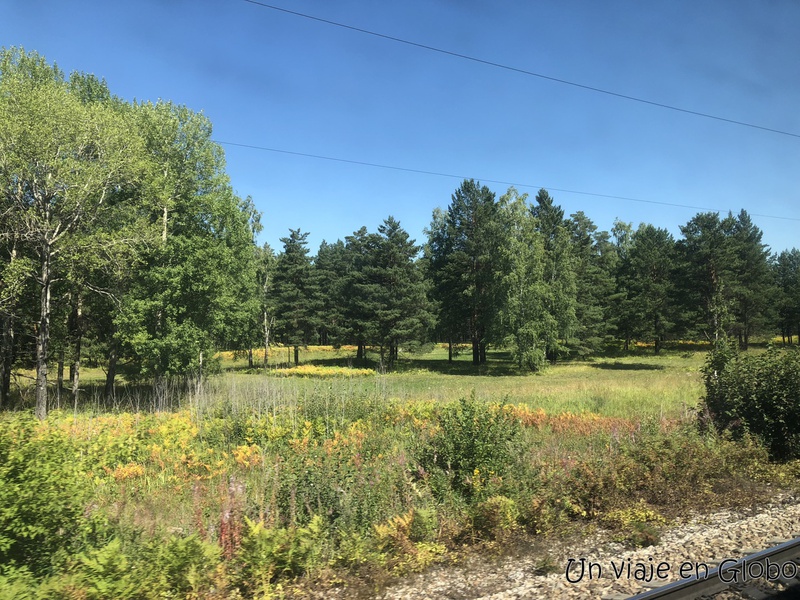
296, 309
753, 291
595, 261
463, 248
403, 314
648, 282
331, 269
786, 276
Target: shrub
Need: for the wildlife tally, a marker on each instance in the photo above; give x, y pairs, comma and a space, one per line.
759, 394
473, 446
45, 511
496, 517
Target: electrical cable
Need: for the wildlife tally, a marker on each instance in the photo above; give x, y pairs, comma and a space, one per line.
462, 177
522, 71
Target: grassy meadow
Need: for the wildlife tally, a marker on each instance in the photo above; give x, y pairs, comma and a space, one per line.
273, 482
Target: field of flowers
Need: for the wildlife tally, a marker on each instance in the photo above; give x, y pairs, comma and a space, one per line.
262, 486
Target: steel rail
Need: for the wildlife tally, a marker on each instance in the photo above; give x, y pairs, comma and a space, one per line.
730, 572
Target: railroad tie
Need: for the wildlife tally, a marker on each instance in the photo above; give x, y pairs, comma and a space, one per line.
754, 593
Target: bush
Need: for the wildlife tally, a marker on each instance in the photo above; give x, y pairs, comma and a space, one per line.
473, 447
756, 394
45, 508
496, 518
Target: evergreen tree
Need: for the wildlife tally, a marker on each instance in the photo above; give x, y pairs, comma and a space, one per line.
296, 309
464, 247
752, 290
595, 262
706, 276
786, 276
648, 282
331, 268
559, 274
361, 290
402, 314
725, 283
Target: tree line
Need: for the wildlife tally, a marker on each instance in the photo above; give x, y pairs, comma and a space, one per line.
123, 245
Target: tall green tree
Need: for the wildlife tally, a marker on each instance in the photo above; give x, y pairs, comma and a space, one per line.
403, 314
331, 267
595, 262
786, 276
753, 291
524, 318
725, 280
706, 275
445, 277
61, 161
463, 251
559, 274
295, 294
187, 298
360, 290
647, 281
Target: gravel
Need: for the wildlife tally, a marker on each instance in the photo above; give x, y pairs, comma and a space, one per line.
691, 542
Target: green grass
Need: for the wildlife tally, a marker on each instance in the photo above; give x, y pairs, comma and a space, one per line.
270, 476
634, 386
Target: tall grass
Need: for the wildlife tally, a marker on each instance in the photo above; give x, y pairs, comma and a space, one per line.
252, 480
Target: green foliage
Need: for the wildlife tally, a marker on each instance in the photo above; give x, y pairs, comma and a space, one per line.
637, 525
474, 448
268, 553
756, 394
295, 294
496, 517
462, 256
45, 510
106, 573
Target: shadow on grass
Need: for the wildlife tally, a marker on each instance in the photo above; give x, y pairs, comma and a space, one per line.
498, 363
619, 366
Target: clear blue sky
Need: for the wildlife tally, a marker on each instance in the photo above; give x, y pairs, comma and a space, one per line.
271, 79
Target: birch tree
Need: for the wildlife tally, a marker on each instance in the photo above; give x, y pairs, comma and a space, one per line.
61, 160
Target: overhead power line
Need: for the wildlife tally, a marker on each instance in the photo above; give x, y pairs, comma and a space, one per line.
450, 175
521, 71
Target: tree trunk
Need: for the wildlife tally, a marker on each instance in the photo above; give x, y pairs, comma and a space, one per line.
296, 355
657, 345
267, 328
476, 352
164, 230
6, 360
111, 374
43, 338
483, 352
75, 370
360, 354
250, 358
7, 343
449, 350
60, 378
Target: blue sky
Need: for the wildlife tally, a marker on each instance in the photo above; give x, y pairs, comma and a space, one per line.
271, 79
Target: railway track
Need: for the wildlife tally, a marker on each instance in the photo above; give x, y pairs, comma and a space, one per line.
779, 563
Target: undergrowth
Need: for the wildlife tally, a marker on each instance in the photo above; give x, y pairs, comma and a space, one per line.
217, 501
